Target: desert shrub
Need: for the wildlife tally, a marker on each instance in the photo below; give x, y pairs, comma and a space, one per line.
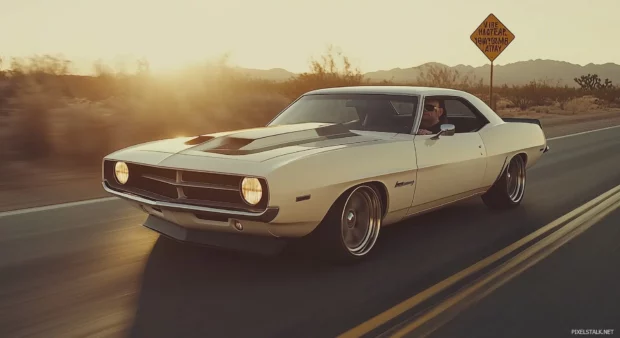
328, 72
80, 131
537, 93
441, 76
611, 95
581, 104
30, 130
5, 138
515, 97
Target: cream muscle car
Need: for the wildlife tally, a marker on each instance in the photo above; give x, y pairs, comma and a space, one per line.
333, 167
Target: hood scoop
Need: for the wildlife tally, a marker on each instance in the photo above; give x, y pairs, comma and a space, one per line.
198, 140
226, 144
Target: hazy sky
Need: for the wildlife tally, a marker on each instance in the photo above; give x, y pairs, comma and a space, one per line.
375, 34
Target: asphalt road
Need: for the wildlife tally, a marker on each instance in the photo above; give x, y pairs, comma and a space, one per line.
573, 290
93, 269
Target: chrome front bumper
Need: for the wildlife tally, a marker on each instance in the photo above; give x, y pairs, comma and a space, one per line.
265, 217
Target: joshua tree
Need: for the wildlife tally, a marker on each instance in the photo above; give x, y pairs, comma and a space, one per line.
593, 82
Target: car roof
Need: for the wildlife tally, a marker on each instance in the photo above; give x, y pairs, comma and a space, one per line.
413, 90
389, 90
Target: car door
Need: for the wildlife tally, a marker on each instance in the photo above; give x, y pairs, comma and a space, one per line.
450, 167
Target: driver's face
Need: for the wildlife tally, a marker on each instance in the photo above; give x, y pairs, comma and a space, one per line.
431, 113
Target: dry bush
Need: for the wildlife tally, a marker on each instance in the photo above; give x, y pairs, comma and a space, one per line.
5, 139
29, 132
80, 131
33, 86
502, 103
540, 109
441, 76
581, 104
331, 71
611, 95
517, 97
43, 66
537, 93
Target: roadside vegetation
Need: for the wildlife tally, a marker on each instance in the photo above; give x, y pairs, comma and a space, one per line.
48, 113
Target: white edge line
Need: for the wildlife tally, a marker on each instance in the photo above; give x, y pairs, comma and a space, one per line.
106, 199
55, 206
582, 133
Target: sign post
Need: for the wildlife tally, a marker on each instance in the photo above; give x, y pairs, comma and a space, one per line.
492, 37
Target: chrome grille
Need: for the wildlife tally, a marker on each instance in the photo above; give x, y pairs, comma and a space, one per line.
182, 186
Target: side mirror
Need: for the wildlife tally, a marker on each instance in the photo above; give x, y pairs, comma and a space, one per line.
446, 130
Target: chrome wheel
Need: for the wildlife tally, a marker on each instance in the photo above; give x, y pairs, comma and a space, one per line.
361, 220
515, 179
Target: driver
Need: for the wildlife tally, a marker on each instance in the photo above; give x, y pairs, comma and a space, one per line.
432, 118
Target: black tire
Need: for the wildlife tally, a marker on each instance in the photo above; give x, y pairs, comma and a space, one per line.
509, 190
344, 220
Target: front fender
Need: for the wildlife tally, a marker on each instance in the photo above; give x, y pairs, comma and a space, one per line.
305, 188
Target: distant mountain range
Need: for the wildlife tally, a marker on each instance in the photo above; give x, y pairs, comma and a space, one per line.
517, 73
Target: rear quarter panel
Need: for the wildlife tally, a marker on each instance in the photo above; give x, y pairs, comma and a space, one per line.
504, 140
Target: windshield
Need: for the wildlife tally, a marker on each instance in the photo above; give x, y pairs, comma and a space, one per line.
370, 112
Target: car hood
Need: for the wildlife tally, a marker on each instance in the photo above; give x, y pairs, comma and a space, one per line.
257, 144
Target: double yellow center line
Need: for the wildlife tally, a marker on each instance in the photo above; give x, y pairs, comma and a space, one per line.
570, 225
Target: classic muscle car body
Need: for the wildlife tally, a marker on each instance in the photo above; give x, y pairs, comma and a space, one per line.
334, 166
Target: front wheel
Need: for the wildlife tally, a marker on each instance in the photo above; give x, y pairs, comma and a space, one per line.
351, 226
509, 190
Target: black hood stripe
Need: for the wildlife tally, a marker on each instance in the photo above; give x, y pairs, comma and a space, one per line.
237, 151
234, 144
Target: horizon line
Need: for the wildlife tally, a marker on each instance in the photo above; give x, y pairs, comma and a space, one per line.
443, 64
135, 60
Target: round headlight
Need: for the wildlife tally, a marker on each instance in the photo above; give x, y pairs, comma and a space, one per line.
251, 190
121, 171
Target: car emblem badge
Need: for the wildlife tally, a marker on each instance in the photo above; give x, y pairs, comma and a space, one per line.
402, 184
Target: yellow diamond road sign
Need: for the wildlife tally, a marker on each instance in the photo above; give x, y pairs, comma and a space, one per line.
492, 37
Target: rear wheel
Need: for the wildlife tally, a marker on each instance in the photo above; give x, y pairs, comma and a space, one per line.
509, 190
351, 227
